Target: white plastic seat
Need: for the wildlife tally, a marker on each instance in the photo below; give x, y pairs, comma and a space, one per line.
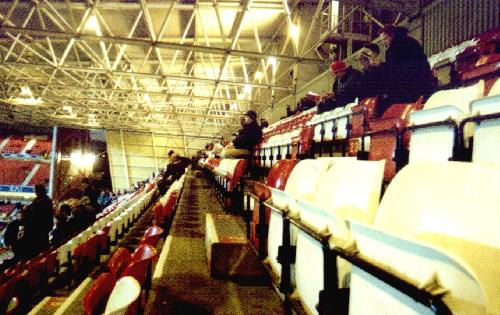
342, 120
437, 224
63, 252
436, 143
486, 147
124, 294
495, 89
301, 184
350, 189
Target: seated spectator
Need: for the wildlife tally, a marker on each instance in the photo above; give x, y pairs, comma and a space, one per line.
249, 136
406, 68
177, 167
264, 123
61, 228
345, 88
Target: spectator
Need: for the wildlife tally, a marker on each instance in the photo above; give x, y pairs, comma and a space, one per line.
37, 222
406, 67
249, 136
61, 228
345, 87
263, 123
11, 238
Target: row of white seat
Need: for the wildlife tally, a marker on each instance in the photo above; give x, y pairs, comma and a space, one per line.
432, 143
437, 142
119, 219
436, 226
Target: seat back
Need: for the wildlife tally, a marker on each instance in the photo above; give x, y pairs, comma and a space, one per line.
383, 144
301, 185
119, 261
138, 269
495, 89
436, 143
303, 181
279, 173
486, 147
349, 189
438, 220
95, 299
124, 295
143, 252
152, 235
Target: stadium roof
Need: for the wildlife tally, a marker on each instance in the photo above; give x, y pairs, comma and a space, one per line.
180, 67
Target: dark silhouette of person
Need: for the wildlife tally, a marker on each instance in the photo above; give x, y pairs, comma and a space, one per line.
36, 223
250, 134
406, 68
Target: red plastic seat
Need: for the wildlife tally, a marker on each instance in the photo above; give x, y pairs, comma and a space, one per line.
144, 252
95, 300
384, 141
119, 261
163, 214
139, 270
361, 114
277, 178
152, 235
11, 289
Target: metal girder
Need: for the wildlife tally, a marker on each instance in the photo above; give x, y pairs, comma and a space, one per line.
140, 92
119, 5
157, 44
144, 75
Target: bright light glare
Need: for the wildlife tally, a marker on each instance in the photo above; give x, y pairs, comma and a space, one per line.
234, 106
294, 33
258, 75
247, 89
271, 61
93, 25
83, 161
26, 92
67, 108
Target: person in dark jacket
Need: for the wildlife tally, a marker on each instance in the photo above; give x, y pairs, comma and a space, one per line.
345, 88
408, 72
247, 137
37, 222
250, 134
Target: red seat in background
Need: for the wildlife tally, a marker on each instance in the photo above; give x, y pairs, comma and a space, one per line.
120, 260
384, 133
95, 300
361, 115
152, 235
277, 178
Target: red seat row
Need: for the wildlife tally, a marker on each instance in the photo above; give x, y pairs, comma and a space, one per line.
137, 265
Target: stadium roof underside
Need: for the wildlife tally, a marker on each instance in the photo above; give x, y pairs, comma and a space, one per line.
186, 68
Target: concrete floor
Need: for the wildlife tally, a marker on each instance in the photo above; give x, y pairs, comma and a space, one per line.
183, 284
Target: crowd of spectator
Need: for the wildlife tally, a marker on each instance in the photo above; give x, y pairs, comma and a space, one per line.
403, 77
43, 222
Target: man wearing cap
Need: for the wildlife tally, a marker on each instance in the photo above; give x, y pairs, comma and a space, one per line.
345, 88
247, 137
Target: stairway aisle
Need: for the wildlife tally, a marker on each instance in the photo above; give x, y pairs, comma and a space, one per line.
182, 284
